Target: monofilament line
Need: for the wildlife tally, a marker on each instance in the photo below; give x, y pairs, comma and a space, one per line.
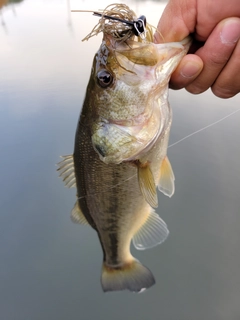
204, 128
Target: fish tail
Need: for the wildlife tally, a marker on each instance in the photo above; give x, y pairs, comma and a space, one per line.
132, 276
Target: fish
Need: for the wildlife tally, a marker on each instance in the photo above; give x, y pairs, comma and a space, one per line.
120, 152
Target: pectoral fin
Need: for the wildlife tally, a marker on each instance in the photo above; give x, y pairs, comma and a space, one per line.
67, 172
166, 182
147, 184
77, 215
153, 232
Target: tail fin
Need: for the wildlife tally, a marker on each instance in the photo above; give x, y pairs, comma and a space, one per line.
132, 276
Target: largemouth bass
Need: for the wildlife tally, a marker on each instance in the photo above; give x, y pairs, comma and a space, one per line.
121, 143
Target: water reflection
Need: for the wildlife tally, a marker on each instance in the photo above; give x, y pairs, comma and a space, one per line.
49, 269
69, 15
3, 4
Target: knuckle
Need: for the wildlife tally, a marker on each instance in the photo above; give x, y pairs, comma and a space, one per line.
196, 88
218, 58
175, 86
224, 92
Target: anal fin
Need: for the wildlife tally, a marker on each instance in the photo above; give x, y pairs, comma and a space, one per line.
166, 180
77, 215
153, 232
147, 184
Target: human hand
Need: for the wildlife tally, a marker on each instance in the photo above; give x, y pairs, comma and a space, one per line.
214, 60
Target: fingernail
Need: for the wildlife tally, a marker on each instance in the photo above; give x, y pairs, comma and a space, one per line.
231, 31
190, 69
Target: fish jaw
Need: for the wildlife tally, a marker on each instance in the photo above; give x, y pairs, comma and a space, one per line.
175, 52
116, 143
122, 132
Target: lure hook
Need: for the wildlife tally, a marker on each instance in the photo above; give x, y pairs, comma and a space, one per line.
138, 26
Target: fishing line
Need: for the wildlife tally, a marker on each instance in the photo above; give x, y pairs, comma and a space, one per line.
171, 145
204, 128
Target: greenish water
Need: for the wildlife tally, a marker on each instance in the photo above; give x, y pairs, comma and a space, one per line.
49, 267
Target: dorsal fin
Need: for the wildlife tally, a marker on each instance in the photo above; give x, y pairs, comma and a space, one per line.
153, 232
147, 184
166, 180
77, 215
67, 171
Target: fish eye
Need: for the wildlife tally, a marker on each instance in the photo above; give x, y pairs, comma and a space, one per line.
104, 78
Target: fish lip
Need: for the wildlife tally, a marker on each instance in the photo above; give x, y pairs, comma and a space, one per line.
186, 42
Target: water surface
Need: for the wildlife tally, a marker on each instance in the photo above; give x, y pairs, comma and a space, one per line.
50, 267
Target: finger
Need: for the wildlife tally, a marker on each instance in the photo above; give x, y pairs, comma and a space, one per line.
182, 17
187, 71
215, 53
210, 13
177, 21
227, 84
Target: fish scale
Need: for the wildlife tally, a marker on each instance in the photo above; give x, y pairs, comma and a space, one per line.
120, 152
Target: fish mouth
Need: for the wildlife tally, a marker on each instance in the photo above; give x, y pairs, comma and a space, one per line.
186, 42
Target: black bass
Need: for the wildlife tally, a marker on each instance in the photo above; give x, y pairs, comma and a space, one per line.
121, 142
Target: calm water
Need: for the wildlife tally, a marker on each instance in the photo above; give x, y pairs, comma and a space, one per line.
50, 267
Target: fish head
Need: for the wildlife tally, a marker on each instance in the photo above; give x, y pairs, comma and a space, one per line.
128, 95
